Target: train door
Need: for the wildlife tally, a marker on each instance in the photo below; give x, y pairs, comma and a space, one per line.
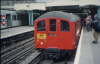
24, 17
52, 33
9, 23
65, 34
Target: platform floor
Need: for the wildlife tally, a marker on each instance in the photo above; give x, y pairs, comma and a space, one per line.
15, 31
89, 52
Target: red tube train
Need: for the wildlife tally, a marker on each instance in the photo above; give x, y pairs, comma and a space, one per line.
57, 33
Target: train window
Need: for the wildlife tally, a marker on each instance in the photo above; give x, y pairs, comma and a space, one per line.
64, 26
53, 25
14, 17
41, 26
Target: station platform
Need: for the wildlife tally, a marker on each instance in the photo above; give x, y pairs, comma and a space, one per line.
87, 52
15, 31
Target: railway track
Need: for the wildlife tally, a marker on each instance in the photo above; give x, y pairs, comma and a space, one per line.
10, 48
16, 53
37, 59
56, 62
40, 60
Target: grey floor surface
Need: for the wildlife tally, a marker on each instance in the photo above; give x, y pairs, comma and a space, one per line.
90, 53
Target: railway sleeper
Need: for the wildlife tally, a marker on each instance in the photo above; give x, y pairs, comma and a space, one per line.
17, 56
12, 47
14, 52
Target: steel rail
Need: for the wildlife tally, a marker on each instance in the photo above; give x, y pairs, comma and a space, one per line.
3, 51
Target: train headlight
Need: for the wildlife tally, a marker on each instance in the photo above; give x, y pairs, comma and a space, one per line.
41, 43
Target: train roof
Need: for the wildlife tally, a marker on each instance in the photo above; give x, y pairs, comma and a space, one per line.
59, 14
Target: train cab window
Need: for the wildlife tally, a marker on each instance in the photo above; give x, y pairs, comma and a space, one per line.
64, 26
41, 26
53, 25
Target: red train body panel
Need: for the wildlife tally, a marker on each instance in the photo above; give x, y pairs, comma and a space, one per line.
57, 30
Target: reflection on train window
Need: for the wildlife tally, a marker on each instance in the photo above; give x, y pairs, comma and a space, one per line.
64, 26
53, 25
41, 26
